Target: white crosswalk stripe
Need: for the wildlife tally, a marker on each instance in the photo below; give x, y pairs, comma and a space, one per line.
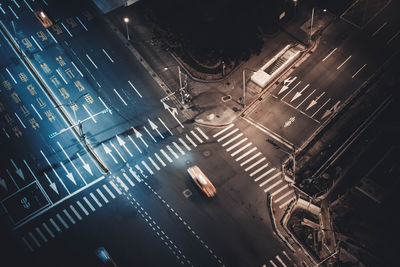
280, 260
227, 135
283, 196
172, 152
101, 195
277, 191
179, 148
147, 167
124, 186
241, 149
96, 200
232, 139
273, 185
264, 174
160, 160
270, 179
115, 188
272, 263
250, 159
255, 164
69, 216
237, 144
154, 164
223, 130
62, 221
34, 239
127, 179
108, 191
286, 203
246, 154
89, 204
55, 225
75, 212
184, 144
166, 155
41, 234
27, 244
48, 230
258, 170
202, 133
196, 136
190, 140
82, 208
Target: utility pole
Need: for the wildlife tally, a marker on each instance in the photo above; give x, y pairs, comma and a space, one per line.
312, 21
244, 89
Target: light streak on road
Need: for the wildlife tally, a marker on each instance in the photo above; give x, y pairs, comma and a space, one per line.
54, 171
343, 63
358, 70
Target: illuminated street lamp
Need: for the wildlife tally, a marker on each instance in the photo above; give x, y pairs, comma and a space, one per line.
126, 20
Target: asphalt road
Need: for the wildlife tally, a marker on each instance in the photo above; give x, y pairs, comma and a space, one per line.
61, 205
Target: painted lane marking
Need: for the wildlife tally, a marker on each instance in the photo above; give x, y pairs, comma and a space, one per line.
232, 139
380, 28
283, 196
134, 174
123, 101
172, 152
259, 169
23, 125
273, 185
237, 144
241, 149
202, 133
119, 154
179, 148
2, 10
228, 134
27, 244
165, 155
69, 216
34, 239
115, 188
82, 208
264, 174
96, 200
62, 24
102, 195
104, 51
184, 144
90, 114
89, 204
190, 140
286, 203
134, 88
343, 63
54, 39
358, 71
5, 132
152, 137
78, 70
12, 10
75, 212
329, 54
196, 136
91, 61
62, 221
320, 108
246, 154
290, 90
55, 225
305, 99
108, 191
280, 260
126, 178
62, 77
273, 263
16, 3
393, 37
34, 40
41, 234
147, 167
279, 190
165, 126
48, 230
223, 130
133, 142
250, 159
255, 164
160, 160
104, 104
269, 179
154, 164
12, 77
40, 117
122, 183
83, 25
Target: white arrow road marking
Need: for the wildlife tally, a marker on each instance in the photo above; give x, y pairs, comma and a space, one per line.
165, 155
59, 178
286, 84
160, 160
184, 144
173, 112
85, 165
128, 179
172, 152
120, 97
305, 98
152, 137
134, 174
179, 148
116, 150
109, 152
122, 143
202, 133
298, 94
68, 174
18, 170
134, 88
139, 135
3, 184
51, 184
72, 163
320, 108
133, 142
154, 127
314, 101
331, 110
154, 164
165, 126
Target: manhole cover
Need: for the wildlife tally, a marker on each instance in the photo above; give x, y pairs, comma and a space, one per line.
187, 193
206, 153
188, 162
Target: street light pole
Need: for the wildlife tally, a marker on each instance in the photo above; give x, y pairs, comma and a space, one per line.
126, 20
312, 21
244, 88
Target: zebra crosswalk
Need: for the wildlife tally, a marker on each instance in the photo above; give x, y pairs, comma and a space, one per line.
280, 260
268, 177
